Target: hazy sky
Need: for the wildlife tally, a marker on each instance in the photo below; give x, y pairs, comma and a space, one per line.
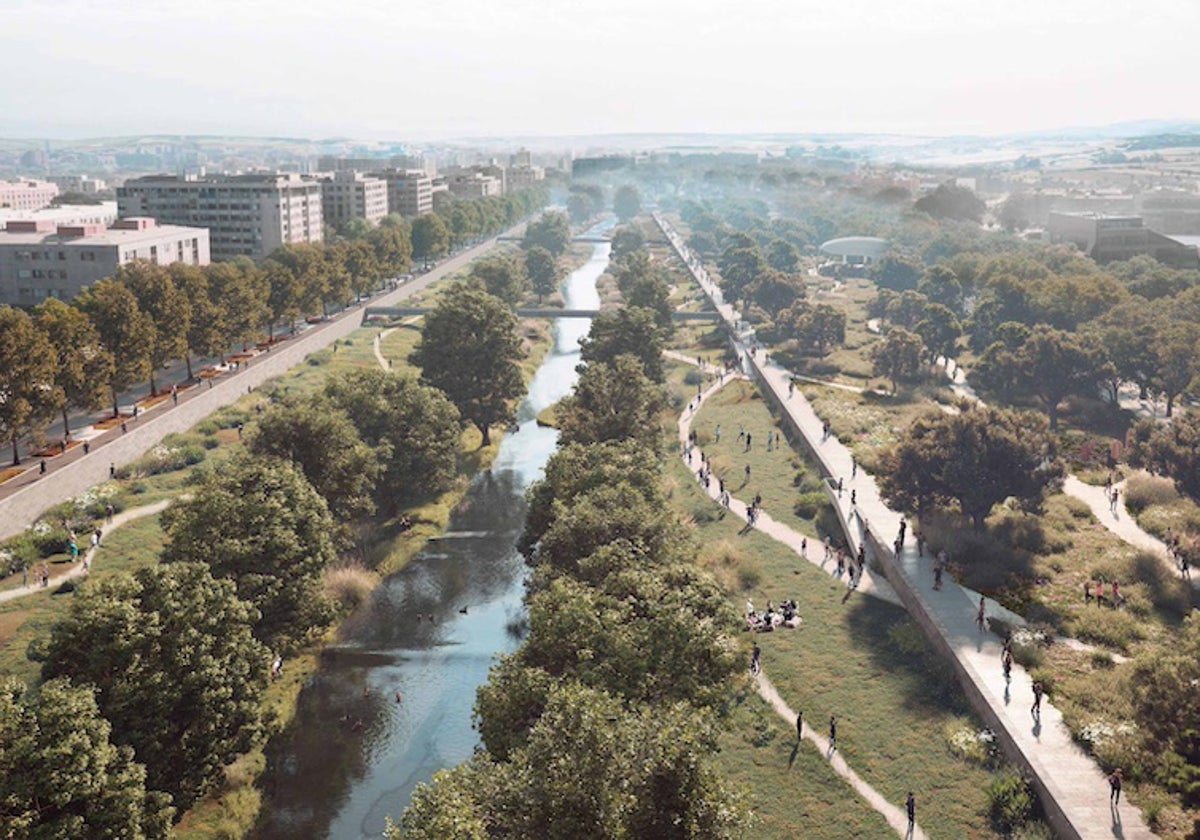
401, 69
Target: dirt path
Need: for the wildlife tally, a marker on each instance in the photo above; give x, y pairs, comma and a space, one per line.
897, 818
89, 557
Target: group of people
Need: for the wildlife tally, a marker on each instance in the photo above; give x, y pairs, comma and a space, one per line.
766, 621
1098, 586
1181, 553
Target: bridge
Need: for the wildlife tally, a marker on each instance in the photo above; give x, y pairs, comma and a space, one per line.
417, 311
583, 237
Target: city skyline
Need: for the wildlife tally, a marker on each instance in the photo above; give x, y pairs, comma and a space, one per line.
465, 68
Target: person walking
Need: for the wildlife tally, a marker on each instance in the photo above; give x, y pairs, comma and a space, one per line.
1114, 785
981, 615
832, 732
756, 659
799, 726
1008, 662
910, 806
1038, 691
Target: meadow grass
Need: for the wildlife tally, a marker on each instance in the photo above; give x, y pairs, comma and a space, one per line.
861, 659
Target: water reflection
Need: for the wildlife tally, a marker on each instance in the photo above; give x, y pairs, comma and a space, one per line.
431, 632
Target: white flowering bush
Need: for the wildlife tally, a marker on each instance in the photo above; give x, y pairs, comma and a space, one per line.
977, 746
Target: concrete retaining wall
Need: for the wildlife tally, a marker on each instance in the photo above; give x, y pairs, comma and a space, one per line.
26, 504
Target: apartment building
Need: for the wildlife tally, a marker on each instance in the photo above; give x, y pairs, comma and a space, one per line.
347, 195
1110, 238
26, 194
39, 259
78, 184
246, 215
409, 191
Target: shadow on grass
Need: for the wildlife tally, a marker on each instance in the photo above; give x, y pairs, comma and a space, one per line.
899, 648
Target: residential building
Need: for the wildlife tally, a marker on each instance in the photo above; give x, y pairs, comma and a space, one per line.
333, 163
409, 191
25, 194
469, 185
78, 184
246, 215
39, 259
1109, 238
522, 177
347, 195
104, 213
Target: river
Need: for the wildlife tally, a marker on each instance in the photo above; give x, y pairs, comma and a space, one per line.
355, 753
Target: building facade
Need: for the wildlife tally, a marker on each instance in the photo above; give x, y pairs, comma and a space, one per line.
39, 259
25, 194
78, 184
1111, 238
409, 191
104, 213
246, 215
469, 185
347, 195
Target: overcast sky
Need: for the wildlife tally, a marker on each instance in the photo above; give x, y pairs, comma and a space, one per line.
403, 68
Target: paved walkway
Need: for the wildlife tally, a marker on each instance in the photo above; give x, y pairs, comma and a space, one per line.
897, 818
868, 584
1067, 775
81, 568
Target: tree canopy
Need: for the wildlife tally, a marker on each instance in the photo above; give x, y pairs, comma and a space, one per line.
259, 523
471, 351
977, 458
176, 670
62, 777
29, 392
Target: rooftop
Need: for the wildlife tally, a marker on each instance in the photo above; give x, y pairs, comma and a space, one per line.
123, 232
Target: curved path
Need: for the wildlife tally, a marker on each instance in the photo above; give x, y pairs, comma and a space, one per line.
868, 584
896, 817
82, 567
1073, 789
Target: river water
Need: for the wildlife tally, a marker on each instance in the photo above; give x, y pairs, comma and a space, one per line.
355, 753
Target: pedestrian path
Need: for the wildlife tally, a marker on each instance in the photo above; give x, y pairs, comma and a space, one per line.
896, 817
1077, 791
88, 557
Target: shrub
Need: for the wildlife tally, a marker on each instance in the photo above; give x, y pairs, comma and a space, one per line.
207, 427
1115, 628
808, 505
908, 638
970, 744
211, 442
1143, 490
1010, 802
693, 377
1034, 830
320, 357
349, 586
1077, 508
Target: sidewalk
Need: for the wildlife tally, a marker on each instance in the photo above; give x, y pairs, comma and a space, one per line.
1065, 774
88, 557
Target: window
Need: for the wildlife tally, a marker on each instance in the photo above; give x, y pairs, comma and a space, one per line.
62, 255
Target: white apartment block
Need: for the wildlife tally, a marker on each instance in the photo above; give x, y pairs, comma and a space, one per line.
104, 213
78, 184
39, 259
347, 195
246, 215
474, 185
410, 191
524, 176
24, 194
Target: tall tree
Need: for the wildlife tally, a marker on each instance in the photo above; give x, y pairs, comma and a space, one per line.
29, 393
977, 458
940, 330
1178, 365
126, 332
470, 349
63, 777
430, 238
783, 256
542, 270
319, 438
551, 231
414, 430
626, 240
175, 667
1055, 364
207, 333
241, 291
503, 277
84, 365
613, 402
260, 523
631, 331
897, 356
392, 243
739, 267
627, 202
167, 306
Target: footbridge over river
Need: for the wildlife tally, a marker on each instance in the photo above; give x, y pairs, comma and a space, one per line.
416, 311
